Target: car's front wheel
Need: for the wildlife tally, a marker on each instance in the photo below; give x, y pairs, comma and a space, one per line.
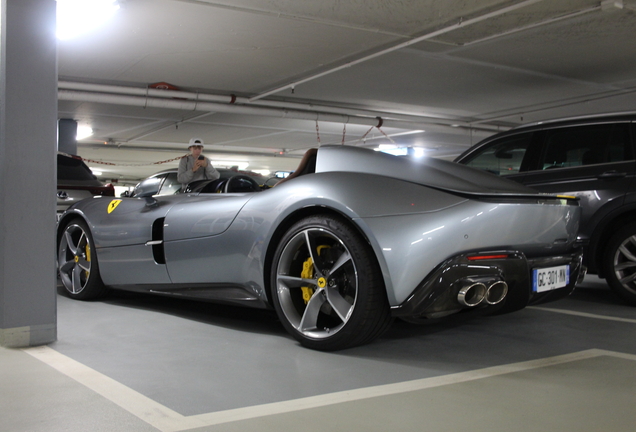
620, 263
327, 287
77, 262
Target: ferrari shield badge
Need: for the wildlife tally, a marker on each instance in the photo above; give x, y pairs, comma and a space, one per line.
113, 205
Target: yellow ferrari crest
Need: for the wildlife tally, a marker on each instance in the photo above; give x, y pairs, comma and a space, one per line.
113, 205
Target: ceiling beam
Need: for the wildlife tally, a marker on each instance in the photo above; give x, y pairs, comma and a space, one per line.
460, 24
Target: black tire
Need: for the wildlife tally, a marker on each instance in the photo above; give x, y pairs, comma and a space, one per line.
339, 301
77, 262
619, 263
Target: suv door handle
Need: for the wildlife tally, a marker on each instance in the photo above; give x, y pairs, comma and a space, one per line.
612, 174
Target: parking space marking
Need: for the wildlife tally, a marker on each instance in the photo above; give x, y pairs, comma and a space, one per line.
134, 402
167, 420
585, 315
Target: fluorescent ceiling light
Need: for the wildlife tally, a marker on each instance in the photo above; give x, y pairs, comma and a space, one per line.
228, 163
396, 150
408, 133
393, 149
83, 132
75, 17
418, 151
96, 171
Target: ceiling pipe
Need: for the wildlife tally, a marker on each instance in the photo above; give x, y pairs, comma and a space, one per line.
187, 105
191, 101
218, 150
237, 100
139, 91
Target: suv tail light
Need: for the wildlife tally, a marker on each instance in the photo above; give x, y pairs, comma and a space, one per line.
107, 190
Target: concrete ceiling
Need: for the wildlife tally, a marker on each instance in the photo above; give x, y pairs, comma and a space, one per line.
263, 80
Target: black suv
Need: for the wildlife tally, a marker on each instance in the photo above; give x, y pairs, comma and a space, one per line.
592, 158
75, 182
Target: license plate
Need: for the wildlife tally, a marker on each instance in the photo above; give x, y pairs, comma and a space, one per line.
547, 279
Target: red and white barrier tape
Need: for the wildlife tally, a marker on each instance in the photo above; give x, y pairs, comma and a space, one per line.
92, 161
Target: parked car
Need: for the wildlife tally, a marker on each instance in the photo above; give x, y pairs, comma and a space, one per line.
338, 250
165, 182
592, 158
75, 182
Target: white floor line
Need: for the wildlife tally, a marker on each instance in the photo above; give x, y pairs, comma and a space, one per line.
137, 404
586, 315
168, 420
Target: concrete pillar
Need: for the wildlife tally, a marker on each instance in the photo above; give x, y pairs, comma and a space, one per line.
28, 136
67, 136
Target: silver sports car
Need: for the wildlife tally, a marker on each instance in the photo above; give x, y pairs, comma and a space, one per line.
350, 240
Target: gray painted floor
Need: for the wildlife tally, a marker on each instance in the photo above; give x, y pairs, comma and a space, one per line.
141, 363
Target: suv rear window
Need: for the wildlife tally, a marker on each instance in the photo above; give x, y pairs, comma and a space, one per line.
503, 157
72, 169
586, 145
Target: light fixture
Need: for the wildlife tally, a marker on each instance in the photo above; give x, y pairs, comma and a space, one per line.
392, 149
96, 171
75, 17
411, 132
418, 152
83, 131
241, 165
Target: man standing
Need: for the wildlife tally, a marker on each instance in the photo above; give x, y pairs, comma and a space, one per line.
195, 166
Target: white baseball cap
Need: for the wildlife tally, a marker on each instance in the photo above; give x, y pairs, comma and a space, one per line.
196, 142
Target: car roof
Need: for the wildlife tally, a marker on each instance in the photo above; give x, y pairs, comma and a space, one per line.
548, 124
609, 117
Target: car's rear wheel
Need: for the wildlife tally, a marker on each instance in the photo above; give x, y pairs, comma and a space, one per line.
620, 263
77, 262
327, 287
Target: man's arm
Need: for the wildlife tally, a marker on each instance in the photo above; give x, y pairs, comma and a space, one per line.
184, 175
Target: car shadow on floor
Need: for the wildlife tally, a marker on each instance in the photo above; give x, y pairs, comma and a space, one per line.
223, 315
254, 320
597, 295
260, 321
593, 294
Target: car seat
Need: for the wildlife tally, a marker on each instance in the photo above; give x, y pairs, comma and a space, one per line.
592, 157
556, 157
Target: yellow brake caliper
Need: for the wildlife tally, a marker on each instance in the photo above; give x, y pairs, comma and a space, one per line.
88, 257
308, 273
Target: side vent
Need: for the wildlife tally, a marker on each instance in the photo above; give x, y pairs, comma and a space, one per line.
157, 241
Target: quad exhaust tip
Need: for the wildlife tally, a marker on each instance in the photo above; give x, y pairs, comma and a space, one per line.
474, 293
496, 292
